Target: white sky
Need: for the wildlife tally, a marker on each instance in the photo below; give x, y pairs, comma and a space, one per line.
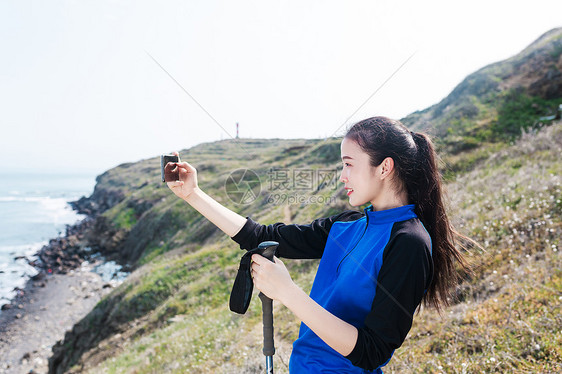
79, 91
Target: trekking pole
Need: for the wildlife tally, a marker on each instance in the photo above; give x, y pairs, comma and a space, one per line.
267, 309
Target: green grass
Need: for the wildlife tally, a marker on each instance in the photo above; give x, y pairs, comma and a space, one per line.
171, 315
520, 111
506, 318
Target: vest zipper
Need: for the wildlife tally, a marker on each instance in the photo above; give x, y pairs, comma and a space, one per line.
352, 249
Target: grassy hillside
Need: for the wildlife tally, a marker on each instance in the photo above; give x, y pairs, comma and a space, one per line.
171, 314
185, 268
507, 317
492, 104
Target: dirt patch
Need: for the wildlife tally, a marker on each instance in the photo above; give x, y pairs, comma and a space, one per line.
41, 315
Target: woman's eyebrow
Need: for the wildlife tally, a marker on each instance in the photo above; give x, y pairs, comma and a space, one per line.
347, 157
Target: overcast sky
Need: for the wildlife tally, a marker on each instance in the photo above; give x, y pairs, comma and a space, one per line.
87, 85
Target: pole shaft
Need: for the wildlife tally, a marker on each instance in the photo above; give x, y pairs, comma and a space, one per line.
269, 364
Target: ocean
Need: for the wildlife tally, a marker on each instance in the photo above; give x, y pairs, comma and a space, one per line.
33, 209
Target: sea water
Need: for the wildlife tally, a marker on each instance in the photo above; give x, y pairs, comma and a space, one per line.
33, 209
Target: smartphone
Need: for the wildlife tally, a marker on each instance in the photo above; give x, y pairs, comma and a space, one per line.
168, 175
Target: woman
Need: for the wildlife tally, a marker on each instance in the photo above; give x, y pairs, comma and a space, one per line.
376, 266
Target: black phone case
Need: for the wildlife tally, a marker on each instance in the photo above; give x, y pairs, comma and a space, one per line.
164, 159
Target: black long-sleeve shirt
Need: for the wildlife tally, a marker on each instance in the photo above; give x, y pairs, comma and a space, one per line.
375, 267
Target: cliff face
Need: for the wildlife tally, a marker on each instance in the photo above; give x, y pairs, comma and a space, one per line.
134, 213
115, 207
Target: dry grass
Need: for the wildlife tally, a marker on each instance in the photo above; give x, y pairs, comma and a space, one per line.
507, 317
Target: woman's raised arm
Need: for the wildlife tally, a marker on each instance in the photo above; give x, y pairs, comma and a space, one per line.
187, 189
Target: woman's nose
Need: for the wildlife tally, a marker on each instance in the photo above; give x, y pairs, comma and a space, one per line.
343, 178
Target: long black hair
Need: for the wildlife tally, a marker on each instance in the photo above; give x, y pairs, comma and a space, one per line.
416, 168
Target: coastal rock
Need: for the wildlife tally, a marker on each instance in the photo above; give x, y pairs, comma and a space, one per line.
105, 238
64, 253
38, 277
99, 202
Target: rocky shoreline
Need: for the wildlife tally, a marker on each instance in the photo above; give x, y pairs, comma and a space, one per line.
42, 313
66, 253
63, 292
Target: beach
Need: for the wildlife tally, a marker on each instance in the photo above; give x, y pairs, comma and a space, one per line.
45, 288
42, 313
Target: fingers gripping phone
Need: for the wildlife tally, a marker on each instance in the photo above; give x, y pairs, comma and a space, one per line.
168, 169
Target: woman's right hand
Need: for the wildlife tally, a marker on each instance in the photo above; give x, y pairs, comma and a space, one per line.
187, 182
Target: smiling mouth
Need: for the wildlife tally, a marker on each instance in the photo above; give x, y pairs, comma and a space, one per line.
349, 191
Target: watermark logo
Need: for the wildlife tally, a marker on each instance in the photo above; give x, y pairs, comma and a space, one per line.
285, 186
311, 180
243, 186
301, 186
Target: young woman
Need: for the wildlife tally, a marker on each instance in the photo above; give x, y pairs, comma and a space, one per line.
376, 266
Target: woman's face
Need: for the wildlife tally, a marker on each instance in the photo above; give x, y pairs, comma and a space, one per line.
361, 180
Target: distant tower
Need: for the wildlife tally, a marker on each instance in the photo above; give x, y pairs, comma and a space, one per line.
237, 130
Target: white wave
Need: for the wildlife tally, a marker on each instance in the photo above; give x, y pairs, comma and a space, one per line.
47, 209
13, 275
9, 199
25, 249
35, 199
60, 211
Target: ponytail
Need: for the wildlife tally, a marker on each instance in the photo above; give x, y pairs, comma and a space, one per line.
417, 171
426, 193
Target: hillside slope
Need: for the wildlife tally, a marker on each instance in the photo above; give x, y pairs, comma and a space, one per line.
185, 266
171, 314
495, 102
507, 317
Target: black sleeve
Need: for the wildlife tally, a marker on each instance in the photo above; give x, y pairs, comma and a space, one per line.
295, 241
403, 278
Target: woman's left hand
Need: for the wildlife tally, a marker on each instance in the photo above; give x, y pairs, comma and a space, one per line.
274, 281
270, 278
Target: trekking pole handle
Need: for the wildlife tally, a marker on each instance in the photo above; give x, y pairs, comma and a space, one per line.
267, 249
267, 304
267, 310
